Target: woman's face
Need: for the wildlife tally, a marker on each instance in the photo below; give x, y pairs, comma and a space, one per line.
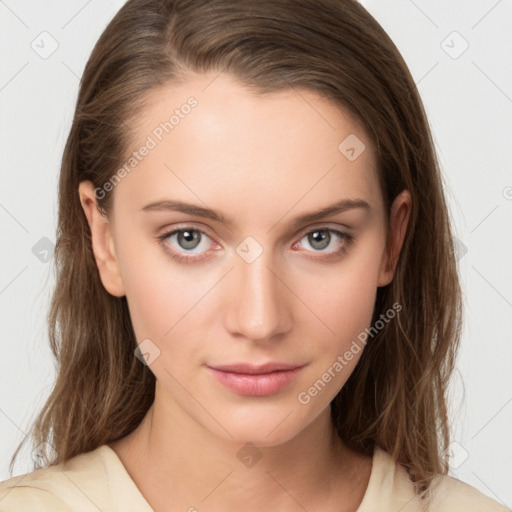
218, 240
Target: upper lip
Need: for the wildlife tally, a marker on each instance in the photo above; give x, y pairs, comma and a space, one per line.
255, 369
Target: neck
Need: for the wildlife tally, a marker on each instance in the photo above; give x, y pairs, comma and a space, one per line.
179, 465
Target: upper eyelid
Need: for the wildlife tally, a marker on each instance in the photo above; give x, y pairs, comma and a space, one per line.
319, 227
303, 231
165, 233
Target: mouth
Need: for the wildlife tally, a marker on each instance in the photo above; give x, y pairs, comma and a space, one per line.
250, 380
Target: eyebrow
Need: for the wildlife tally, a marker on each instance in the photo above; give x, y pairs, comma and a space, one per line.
208, 213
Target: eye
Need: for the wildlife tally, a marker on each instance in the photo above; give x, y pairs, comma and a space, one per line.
326, 241
186, 244
189, 244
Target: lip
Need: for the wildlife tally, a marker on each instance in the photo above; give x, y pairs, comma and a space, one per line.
250, 380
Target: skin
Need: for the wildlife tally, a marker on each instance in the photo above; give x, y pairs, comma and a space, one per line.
262, 161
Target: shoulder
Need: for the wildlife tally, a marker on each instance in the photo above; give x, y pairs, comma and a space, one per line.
390, 488
17, 498
451, 495
76, 485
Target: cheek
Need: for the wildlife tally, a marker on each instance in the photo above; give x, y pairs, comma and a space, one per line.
168, 303
343, 296
345, 304
348, 312
156, 289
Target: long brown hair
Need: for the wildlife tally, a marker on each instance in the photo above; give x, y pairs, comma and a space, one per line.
396, 396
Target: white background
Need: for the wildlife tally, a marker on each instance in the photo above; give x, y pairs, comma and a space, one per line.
468, 97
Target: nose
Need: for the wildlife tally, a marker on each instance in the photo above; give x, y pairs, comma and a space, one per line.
259, 301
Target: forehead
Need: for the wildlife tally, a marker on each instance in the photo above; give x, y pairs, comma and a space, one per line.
213, 139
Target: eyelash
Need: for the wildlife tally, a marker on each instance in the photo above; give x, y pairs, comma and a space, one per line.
347, 239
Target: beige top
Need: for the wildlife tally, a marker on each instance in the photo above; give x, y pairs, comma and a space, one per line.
98, 481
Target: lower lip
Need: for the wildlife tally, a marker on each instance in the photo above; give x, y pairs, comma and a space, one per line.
262, 384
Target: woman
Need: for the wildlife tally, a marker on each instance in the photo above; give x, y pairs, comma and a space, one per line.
257, 303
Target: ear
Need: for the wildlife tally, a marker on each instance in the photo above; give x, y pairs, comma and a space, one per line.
399, 219
102, 241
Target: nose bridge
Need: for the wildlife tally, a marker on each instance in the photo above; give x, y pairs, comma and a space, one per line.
258, 305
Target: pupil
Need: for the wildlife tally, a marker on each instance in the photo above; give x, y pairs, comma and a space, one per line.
320, 239
188, 239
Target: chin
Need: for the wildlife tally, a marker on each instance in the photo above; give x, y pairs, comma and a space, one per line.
263, 426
